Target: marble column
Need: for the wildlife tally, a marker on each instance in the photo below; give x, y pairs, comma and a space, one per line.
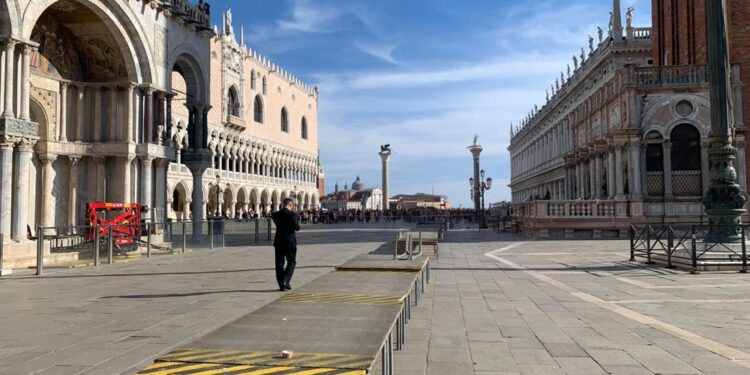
592, 178
2, 81
25, 82
619, 173
148, 115
705, 177
10, 48
199, 206
21, 189
160, 185
101, 178
146, 191
611, 172
127, 162
635, 168
6, 178
186, 209
78, 135
48, 180
667, 148
114, 129
63, 120
98, 108
73, 190
129, 114
598, 176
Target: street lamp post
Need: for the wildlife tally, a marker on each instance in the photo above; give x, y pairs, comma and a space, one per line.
723, 200
478, 190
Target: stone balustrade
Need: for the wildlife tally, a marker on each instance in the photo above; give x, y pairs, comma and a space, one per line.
567, 209
664, 76
187, 11
639, 33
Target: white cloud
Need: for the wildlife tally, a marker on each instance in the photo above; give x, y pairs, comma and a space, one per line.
307, 16
383, 52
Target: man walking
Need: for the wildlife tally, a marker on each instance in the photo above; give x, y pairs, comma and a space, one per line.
285, 243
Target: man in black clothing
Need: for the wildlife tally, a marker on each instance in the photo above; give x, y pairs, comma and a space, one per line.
285, 243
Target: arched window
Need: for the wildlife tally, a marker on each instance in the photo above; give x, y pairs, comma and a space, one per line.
265, 86
284, 120
233, 102
686, 161
252, 79
258, 109
654, 164
304, 128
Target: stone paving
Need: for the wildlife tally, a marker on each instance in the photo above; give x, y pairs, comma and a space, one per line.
498, 304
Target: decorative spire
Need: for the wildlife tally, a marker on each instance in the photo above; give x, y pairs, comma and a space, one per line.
616, 21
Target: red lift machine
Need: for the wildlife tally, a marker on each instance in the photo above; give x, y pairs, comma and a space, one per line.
124, 219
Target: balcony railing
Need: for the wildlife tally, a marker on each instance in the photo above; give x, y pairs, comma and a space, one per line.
235, 123
189, 12
666, 76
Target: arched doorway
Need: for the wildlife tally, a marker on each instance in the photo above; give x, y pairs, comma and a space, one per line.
255, 206
179, 198
686, 160
239, 207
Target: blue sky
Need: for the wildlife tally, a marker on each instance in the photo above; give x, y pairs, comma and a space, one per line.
422, 75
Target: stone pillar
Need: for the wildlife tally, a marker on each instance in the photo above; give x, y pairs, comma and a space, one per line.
2, 85
21, 189
63, 120
10, 48
186, 209
598, 176
101, 178
592, 178
78, 135
741, 173
199, 209
97, 91
48, 177
129, 115
384, 156
667, 149
25, 83
6, 179
619, 173
146, 191
113, 117
73, 190
160, 186
127, 161
705, 176
635, 168
148, 115
611, 172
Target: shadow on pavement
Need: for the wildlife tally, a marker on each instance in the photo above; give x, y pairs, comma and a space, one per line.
170, 295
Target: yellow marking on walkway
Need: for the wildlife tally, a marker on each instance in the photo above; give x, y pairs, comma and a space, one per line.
186, 367
224, 370
175, 368
341, 298
237, 357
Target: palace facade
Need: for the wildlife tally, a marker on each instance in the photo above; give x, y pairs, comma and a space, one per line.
142, 101
624, 136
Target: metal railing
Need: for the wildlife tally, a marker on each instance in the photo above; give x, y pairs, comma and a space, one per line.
87, 245
679, 244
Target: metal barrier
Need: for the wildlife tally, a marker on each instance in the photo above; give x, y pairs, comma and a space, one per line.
679, 244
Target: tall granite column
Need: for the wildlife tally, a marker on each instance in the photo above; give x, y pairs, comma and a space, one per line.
146, 191
98, 109
10, 48
384, 156
80, 91
611, 172
620, 173
667, 151
635, 168
598, 174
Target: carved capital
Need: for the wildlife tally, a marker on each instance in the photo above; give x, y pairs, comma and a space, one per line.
10, 44
8, 142
26, 145
74, 159
100, 160
47, 158
147, 161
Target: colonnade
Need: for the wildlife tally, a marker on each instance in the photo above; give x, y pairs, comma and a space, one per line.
543, 149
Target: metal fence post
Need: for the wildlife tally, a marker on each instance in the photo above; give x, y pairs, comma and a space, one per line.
670, 244
744, 252
148, 240
648, 245
210, 234
632, 242
39, 251
184, 236
97, 244
223, 233
694, 270
110, 245
257, 230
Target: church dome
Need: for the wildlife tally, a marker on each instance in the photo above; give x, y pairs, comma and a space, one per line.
357, 184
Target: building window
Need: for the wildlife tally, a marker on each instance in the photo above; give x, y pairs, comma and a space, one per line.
284, 120
252, 80
233, 102
265, 86
304, 128
686, 161
258, 109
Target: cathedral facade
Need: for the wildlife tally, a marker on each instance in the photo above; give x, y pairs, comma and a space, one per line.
624, 136
142, 101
